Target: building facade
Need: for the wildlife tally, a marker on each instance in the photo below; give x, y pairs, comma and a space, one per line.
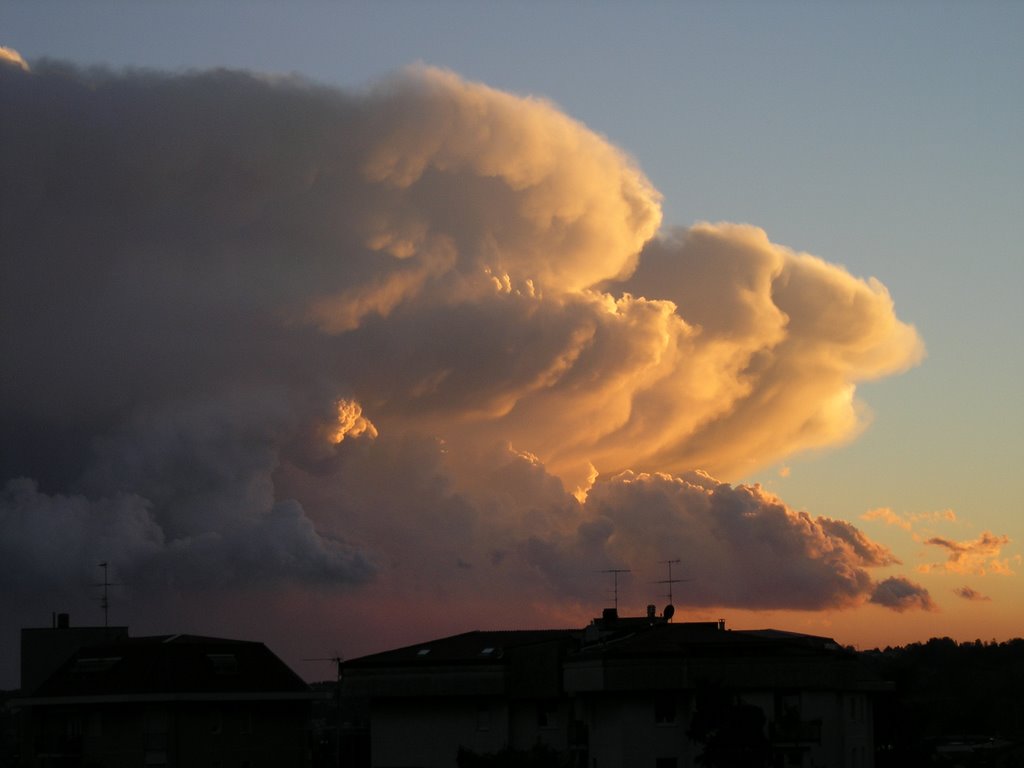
178, 700
644, 693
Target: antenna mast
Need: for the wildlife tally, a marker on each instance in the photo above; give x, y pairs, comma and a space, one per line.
106, 584
615, 580
670, 581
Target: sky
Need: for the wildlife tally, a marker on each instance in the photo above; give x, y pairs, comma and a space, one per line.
343, 326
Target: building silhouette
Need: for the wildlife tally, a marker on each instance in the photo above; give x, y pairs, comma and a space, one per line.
172, 700
44, 650
622, 692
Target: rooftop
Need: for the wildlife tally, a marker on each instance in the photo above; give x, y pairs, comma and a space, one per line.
171, 666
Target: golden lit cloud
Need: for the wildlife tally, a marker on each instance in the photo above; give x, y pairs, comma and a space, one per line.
908, 522
10, 57
979, 556
888, 517
351, 422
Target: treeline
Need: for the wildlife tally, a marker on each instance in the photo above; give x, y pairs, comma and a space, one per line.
946, 692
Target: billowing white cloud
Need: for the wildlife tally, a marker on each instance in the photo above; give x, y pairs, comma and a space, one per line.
265, 332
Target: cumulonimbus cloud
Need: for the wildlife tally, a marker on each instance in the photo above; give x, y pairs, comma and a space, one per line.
260, 329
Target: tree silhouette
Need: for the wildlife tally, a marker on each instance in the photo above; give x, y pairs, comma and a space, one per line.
730, 731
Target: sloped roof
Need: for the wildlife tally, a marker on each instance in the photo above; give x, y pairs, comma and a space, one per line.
706, 639
468, 647
633, 639
609, 656
172, 666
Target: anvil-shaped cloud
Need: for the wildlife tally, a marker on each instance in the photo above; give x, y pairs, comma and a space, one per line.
258, 331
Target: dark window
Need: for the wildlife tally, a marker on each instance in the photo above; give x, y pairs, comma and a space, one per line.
73, 726
216, 721
665, 709
223, 663
665, 762
547, 714
155, 730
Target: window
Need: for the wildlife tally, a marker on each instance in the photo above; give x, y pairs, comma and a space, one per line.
547, 714
483, 717
93, 666
665, 709
216, 721
73, 726
223, 663
95, 726
156, 724
787, 706
665, 762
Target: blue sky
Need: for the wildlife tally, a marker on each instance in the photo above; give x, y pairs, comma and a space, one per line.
882, 137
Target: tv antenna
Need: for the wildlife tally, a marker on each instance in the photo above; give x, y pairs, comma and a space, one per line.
615, 581
337, 660
106, 584
670, 581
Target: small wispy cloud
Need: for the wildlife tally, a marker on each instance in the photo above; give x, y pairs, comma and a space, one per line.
978, 556
909, 522
970, 594
887, 516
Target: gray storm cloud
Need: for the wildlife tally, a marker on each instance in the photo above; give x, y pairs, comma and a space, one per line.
260, 330
900, 594
742, 547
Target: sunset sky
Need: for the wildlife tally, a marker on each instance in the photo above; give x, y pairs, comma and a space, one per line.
343, 326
